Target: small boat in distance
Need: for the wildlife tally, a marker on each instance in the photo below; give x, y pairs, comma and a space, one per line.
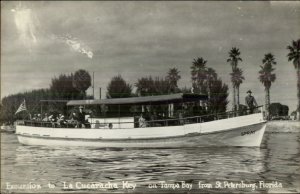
174, 132
7, 128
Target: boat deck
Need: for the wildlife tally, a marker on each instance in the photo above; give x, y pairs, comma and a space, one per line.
133, 122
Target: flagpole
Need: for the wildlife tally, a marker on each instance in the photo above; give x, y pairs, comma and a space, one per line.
93, 86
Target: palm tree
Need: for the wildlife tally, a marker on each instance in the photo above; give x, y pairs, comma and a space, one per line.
234, 58
294, 55
173, 77
198, 74
266, 77
236, 79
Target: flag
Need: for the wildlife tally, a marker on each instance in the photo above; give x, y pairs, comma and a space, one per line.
22, 107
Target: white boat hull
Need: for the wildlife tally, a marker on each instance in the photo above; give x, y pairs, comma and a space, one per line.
239, 131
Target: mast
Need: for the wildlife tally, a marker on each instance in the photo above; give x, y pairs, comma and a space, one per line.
93, 86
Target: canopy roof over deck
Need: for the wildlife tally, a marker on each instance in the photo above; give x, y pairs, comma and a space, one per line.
144, 100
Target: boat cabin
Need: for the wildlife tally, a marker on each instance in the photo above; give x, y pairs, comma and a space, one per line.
146, 111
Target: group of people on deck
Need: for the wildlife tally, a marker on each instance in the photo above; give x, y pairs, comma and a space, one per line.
152, 119
76, 119
195, 110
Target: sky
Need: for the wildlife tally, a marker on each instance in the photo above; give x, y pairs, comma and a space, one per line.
41, 40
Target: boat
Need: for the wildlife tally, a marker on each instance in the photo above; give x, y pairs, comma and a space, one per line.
220, 130
7, 129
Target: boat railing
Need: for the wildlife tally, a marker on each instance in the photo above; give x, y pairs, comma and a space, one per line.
147, 122
199, 119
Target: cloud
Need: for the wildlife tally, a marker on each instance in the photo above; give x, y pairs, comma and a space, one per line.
76, 45
26, 25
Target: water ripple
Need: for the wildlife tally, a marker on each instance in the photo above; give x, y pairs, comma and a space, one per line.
277, 160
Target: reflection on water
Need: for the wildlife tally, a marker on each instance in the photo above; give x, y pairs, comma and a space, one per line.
277, 160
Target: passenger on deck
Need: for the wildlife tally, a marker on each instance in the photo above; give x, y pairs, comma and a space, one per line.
39, 117
142, 121
87, 124
46, 118
81, 117
58, 117
61, 122
34, 118
250, 102
73, 120
97, 124
73, 116
152, 120
52, 120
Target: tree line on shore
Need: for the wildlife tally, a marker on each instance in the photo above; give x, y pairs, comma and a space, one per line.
52, 99
204, 80
73, 87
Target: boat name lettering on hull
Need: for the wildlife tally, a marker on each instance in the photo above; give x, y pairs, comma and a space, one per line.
247, 132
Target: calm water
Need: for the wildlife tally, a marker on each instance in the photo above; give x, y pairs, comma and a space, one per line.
234, 168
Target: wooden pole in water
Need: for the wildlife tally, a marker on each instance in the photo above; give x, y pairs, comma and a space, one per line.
100, 93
